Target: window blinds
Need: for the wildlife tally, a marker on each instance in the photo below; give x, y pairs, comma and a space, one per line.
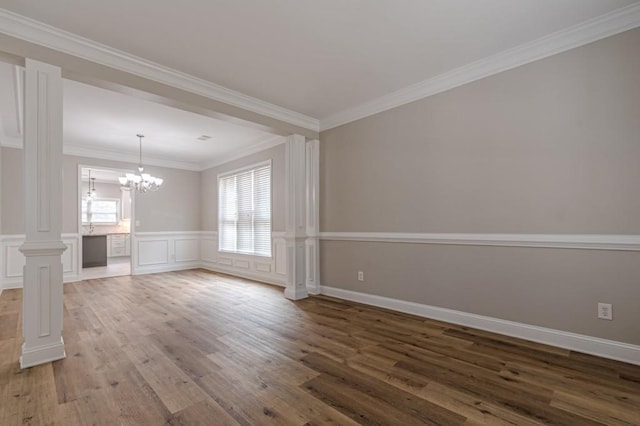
244, 216
100, 211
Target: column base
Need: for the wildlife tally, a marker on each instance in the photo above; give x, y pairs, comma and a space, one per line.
42, 354
295, 293
313, 290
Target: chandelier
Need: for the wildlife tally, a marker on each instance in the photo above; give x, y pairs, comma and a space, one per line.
91, 193
141, 182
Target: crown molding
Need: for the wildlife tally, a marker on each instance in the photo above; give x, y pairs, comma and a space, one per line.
260, 146
104, 154
578, 35
37, 32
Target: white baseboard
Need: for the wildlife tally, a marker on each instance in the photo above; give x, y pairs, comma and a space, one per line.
216, 267
296, 293
577, 342
143, 270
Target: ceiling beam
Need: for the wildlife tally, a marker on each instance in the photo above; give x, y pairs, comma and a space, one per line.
90, 72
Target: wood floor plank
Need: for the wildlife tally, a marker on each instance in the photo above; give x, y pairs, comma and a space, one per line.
194, 347
8, 325
406, 402
176, 390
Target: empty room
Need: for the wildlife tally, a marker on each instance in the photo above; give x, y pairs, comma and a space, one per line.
320, 212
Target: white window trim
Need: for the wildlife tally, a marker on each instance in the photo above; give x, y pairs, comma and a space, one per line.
239, 170
118, 213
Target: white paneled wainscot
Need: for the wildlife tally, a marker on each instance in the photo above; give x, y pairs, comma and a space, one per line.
153, 252
266, 269
12, 260
165, 251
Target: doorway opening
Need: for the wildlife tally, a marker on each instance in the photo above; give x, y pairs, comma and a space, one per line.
104, 221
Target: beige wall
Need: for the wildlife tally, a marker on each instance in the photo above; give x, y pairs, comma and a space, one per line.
549, 147
103, 189
12, 201
176, 207
173, 208
210, 187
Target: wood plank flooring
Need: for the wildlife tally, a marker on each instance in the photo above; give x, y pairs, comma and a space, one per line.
197, 348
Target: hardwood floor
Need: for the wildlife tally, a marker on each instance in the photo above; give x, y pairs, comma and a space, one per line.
193, 347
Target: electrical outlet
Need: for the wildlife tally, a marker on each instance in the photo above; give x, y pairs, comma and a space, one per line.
360, 276
605, 311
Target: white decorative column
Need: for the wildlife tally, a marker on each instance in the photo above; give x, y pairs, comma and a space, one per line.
313, 214
295, 201
43, 246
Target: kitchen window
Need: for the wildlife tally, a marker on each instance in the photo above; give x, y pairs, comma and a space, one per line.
101, 211
244, 211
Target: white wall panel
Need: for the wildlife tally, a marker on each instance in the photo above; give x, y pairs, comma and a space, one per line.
153, 252
13, 261
187, 250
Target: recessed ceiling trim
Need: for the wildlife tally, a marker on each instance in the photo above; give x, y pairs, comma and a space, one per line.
104, 154
45, 35
606, 25
261, 146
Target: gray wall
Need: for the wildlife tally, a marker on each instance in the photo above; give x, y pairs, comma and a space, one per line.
209, 185
549, 147
103, 189
176, 207
12, 201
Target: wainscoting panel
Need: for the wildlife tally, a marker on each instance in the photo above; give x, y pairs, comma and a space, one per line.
153, 252
166, 251
187, 250
252, 267
209, 247
12, 261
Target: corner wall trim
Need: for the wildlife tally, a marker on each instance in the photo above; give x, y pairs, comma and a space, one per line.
603, 26
564, 241
619, 351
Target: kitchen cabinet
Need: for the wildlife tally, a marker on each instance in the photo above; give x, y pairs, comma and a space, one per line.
118, 245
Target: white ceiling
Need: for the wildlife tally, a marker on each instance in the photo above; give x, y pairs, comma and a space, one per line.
314, 57
96, 118
320, 63
99, 122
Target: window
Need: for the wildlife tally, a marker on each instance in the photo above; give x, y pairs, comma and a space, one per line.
101, 211
244, 211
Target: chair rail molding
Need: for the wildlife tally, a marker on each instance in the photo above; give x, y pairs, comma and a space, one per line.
561, 241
